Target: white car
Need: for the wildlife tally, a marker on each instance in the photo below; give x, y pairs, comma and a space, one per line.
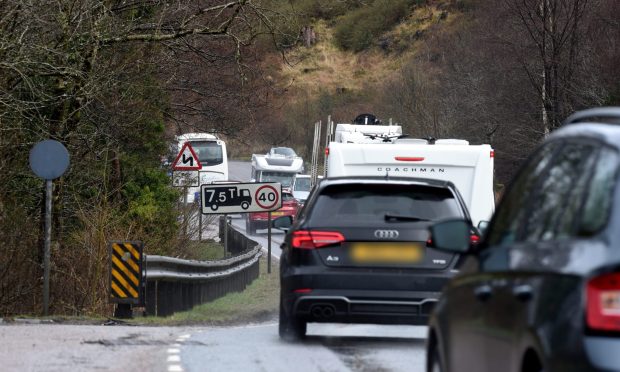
301, 188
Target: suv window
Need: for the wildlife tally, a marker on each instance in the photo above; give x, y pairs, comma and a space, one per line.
367, 205
600, 194
551, 193
512, 210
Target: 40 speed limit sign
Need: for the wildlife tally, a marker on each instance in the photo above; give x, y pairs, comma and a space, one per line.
267, 197
224, 198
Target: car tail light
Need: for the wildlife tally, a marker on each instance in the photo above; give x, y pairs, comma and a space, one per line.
303, 239
603, 302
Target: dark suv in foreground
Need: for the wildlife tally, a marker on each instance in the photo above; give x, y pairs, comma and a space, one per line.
358, 253
542, 289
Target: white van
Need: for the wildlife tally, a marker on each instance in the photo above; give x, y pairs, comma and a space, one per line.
468, 167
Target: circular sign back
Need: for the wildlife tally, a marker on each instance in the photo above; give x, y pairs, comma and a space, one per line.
49, 159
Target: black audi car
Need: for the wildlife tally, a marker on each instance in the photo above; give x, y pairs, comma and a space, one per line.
357, 253
541, 292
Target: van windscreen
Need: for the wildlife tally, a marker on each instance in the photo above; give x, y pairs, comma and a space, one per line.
209, 152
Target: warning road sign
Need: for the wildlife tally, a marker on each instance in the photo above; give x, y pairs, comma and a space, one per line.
240, 197
126, 272
187, 159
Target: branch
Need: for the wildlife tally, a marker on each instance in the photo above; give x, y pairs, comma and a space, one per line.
156, 37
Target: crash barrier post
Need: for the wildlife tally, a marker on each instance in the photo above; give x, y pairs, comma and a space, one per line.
176, 285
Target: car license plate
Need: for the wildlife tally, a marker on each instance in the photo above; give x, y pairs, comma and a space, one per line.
277, 213
405, 252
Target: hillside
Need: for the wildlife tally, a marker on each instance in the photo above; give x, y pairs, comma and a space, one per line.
468, 69
324, 66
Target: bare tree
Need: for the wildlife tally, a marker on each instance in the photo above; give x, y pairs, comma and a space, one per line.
554, 28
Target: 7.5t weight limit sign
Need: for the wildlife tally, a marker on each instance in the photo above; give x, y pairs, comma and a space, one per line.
224, 198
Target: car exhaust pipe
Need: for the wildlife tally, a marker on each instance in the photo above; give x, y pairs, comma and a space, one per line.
323, 312
328, 312
317, 312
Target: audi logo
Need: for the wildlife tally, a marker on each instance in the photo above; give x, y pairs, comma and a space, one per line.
386, 234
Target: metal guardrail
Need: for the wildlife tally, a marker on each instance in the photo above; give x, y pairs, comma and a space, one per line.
174, 284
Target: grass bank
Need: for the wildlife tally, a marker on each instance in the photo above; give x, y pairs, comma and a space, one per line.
258, 302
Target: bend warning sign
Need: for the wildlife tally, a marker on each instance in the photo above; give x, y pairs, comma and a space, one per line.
187, 159
240, 197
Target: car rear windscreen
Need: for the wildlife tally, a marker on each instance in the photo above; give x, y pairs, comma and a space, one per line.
368, 205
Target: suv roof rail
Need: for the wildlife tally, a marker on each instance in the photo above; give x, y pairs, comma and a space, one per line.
593, 113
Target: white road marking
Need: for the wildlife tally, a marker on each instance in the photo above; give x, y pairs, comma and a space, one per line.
174, 350
173, 358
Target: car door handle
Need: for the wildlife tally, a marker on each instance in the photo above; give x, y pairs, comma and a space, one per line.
483, 292
523, 292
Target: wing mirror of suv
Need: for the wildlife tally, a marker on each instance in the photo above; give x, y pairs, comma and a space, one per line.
283, 223
482, 227
453, 236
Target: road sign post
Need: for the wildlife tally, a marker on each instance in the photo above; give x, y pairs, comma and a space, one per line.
269, 243
49, 160
49, 187
225, 235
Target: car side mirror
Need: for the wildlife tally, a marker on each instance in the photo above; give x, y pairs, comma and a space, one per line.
482, 227
283, 223
453, 236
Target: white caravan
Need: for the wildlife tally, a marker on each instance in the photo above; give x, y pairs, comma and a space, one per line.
211, 152
468, 167
276, 168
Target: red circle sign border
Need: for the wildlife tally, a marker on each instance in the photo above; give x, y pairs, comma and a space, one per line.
259, 190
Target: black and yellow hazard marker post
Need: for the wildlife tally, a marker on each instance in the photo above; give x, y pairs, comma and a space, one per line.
125, 276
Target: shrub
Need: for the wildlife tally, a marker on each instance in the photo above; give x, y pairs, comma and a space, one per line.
324, 9
357, 30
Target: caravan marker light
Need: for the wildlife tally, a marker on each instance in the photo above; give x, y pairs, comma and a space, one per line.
409, 158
